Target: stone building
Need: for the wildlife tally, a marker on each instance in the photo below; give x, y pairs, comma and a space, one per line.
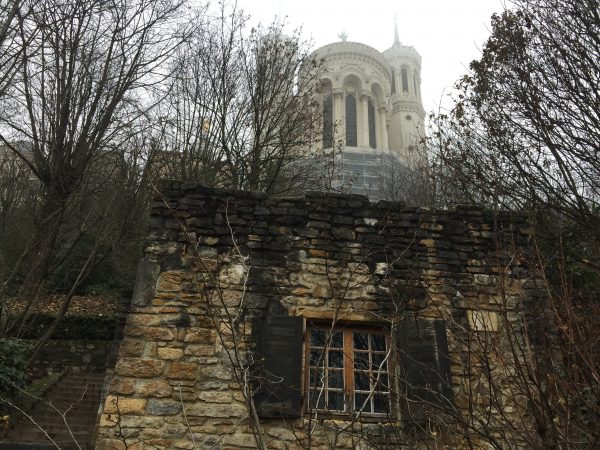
372, 107
323, 321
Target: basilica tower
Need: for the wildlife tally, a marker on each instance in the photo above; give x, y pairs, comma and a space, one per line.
372, 106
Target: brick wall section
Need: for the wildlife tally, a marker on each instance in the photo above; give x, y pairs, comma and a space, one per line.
310, 256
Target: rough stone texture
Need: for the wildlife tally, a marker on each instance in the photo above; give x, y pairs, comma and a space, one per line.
228, 257
145, 281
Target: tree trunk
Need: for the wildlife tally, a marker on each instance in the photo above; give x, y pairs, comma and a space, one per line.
63, 311
47, 233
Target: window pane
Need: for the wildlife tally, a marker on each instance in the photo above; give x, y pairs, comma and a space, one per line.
378, 342
336, 359
317, 338
362, 402
317, 357
380, 403
316, 378
361, 381
336, 379
335, 400
382, 381
316, 396
337, 339
361, 341
361, 360
377, 359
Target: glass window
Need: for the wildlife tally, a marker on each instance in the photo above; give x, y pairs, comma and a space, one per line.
351, 137
348, 370
404, 75
328, 121
371, 114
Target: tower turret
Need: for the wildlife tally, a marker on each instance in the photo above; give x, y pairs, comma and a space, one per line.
407, 115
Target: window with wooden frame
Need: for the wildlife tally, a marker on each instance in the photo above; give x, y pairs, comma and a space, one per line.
347, 370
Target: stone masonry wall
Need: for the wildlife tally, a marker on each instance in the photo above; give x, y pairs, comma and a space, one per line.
216, 260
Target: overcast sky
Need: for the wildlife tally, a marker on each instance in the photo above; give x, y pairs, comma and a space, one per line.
447, 33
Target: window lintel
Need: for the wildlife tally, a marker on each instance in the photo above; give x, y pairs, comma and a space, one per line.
341, 315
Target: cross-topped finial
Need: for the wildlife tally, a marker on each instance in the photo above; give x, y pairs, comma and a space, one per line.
343, 35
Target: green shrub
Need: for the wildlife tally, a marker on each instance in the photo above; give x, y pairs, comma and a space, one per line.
13, 365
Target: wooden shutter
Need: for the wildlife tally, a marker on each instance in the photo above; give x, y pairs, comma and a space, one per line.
424, 366
279, 346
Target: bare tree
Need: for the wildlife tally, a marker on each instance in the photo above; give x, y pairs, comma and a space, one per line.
11, 11
238, 113
523, 134
525, 127
82, 88
282, 107
201, 107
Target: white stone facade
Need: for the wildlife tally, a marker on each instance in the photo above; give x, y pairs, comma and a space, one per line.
372, 107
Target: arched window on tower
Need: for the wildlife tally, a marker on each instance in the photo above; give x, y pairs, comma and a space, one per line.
371, 114
351, 139
404, 75
328, 121
393, 82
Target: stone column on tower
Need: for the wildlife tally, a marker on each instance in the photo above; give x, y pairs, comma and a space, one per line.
383, 127
338, 111
364, 123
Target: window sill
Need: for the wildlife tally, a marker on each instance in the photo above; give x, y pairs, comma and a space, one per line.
347, 417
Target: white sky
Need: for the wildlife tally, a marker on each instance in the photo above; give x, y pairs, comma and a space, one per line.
447, 33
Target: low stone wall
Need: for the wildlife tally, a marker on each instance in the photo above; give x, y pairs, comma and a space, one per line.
217, 263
